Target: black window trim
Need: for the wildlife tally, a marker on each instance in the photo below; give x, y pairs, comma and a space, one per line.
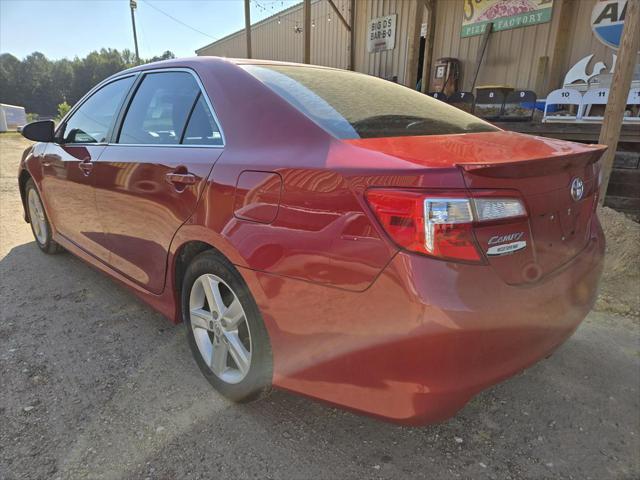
63, 123
126, 104
186, 124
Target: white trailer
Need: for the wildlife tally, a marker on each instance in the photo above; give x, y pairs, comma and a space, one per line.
12, 117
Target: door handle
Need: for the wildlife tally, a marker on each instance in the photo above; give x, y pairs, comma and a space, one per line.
86, 166
181, 179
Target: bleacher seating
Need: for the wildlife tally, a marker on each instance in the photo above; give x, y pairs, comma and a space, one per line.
489, 103
568, 98
590, 99
438, 96
463, 101
519, 106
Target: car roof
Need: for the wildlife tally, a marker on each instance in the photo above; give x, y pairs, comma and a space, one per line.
195, 62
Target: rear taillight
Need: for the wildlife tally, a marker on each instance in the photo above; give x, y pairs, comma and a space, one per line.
439, 224
448, 228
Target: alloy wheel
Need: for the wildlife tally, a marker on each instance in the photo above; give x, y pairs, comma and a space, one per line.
220, 328
36, 215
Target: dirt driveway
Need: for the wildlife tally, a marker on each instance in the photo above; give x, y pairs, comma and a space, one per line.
96, 385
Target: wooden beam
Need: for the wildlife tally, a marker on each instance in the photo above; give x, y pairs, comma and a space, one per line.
247, 25
352, 36
337, 12
413, 50
428, 46
542, 71
307, 31
557, 67
619, 91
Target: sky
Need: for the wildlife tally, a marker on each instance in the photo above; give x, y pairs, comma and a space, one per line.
69, 28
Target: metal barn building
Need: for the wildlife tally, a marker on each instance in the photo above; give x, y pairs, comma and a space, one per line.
534, 57
467, 48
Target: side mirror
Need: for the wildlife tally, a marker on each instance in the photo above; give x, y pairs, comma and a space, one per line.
42, 131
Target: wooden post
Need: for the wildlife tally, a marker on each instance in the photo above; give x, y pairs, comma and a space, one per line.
413, 50
339, 15
247, 25
557, 67
620, 84
352, 36
428, 46
307, 31
542, 71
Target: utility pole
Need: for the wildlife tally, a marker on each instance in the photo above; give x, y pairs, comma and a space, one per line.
307, 31
352, 35
133, 4
614, 111
428, 46
247, 25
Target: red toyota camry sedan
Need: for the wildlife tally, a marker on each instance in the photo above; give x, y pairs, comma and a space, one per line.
323, 231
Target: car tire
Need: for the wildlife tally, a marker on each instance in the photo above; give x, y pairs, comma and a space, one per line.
40, 226
233, 328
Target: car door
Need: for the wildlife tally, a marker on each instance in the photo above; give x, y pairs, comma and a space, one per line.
149, 179
67, 167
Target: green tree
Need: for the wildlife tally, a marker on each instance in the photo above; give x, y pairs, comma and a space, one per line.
36, 84
128, 57
41, 85
63, 109
167, 55
9, 74
94, 68
62, 73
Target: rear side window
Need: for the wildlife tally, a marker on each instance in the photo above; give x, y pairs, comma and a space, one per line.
160, 109
202, 128
351, 105
91, 122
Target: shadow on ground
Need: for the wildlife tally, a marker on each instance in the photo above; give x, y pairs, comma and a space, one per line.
97, 385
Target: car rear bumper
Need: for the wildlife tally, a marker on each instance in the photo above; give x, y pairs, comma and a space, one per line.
425, 337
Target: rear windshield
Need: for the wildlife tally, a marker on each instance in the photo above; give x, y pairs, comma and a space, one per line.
352, 105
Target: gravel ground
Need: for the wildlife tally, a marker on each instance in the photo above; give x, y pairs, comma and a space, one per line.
96, 385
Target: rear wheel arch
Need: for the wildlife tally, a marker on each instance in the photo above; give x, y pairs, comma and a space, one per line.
185, 254
23, 178
183, 257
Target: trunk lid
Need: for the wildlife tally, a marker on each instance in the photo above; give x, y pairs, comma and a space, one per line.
559, 221
538, 170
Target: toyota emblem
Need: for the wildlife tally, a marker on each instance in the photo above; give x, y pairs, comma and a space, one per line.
577, 188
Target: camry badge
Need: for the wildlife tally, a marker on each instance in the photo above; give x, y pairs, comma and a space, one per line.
577, 188
510, 237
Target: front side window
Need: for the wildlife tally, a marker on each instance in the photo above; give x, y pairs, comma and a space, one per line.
351, 105
160, 108
91, 122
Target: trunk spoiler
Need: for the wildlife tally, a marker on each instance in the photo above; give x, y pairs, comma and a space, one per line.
535, 166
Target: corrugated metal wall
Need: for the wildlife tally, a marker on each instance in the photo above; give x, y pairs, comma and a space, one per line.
389, 63
275, 38
511, 57
329, 40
